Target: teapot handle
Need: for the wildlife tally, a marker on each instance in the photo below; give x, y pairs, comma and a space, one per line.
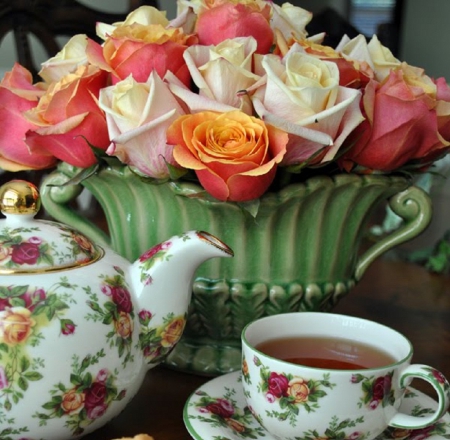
414, 206
56, 199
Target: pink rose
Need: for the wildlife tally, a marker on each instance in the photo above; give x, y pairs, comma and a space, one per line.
3, 379
221, 407
96, 411
102, 375
122, 299
95, 395
154, 250
68, 119
230, 20
234, 156
25, 253
67, 327
278, 385
405, 120
139, 49
17, 96
144, 317
33, 298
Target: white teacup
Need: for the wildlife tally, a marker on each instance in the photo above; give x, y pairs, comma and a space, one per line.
297, 401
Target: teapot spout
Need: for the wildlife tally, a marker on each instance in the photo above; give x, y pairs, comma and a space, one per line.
162, 278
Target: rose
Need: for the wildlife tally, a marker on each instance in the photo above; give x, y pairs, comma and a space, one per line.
25, 253
16, 325
302, 96
5, 251
68, 118
138, 115
31, 299
278, 384
72, 401
234, 155
244, 367
122, 299
142, 44
299, 390
290, 20
227, 19
124, 325
66, 61
96, 411
404, 121
145, 316
95, 395
378, 57
221, 407
102, 375
438, 376
67, 327
381, 387
154, 250
172, 332
3, 378
83, 242
235, 425
221, 72
151, 353
18, 95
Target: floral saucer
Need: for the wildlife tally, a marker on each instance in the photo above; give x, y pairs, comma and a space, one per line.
217, 410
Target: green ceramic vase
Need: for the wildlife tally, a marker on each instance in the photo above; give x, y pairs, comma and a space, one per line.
302, 251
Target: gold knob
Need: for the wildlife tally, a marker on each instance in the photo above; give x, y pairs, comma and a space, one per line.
19, 197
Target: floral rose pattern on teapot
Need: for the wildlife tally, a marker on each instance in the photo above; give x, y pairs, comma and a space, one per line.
84, 397
116, 312
156, 343
24, 311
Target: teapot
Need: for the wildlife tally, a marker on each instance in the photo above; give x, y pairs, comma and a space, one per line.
80, 326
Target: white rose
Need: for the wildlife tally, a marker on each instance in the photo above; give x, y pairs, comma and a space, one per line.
302, 96
138, 115
66, 61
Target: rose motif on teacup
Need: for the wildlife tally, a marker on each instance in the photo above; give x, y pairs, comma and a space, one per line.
376, 390
337, 429
290, 392
224, 412
86, 399
24, 311
160, 252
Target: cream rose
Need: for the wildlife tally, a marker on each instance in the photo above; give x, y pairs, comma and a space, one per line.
66, 61
290, 20
124, 325
72, 402
377, 56
137, 116
299, 390
172, 333
221, 71
302, 96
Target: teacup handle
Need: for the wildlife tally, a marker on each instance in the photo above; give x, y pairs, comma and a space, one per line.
442, 388
413, 205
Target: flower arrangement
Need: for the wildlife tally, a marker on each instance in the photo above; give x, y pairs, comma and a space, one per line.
232, 93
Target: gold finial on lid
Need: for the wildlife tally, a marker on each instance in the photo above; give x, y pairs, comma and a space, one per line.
19, 197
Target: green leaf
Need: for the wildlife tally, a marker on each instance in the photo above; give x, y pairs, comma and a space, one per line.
24, 363
23, 383
18, 291
33, 376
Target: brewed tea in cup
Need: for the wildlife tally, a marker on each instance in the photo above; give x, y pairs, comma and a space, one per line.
316, 375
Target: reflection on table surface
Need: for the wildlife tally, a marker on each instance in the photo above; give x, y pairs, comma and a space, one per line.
401, 295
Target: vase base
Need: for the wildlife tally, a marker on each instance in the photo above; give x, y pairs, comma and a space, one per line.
205, 357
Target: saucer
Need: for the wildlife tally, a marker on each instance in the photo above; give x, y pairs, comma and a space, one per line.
217, 410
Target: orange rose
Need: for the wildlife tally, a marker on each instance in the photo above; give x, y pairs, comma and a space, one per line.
16, 325
68, 117
244, 367
124, 325
72, 402
172, 333
298, 389
234, 155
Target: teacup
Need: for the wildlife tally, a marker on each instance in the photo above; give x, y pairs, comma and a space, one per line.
358, 402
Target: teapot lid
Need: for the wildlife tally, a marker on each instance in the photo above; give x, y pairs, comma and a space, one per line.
28, 245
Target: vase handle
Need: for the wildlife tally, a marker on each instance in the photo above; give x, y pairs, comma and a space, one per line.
414, 206
56, 200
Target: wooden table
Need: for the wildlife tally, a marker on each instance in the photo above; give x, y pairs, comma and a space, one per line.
401, 295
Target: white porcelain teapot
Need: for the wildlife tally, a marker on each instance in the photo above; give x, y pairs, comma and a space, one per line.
80, 325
